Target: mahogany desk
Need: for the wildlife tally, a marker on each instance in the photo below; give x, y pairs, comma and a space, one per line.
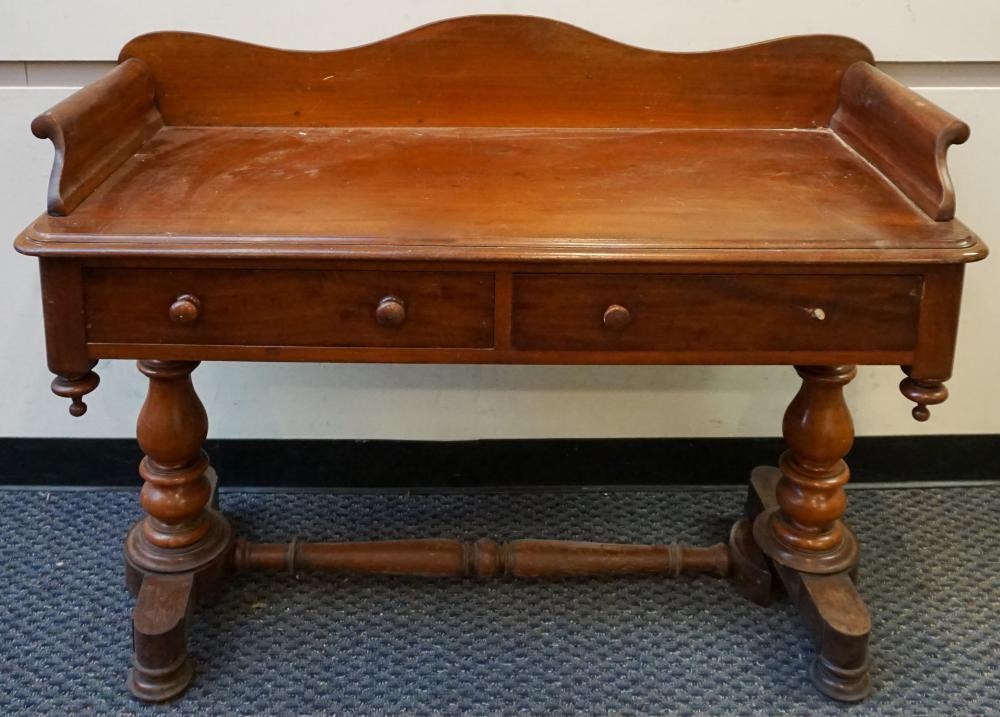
501, 189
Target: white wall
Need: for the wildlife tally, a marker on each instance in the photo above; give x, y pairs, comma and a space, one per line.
895, 29
948, 51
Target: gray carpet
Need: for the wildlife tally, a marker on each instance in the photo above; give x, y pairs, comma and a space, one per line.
324, 644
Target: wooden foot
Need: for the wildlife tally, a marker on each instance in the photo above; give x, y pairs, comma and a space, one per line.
164, 604
830, 605
840, 625
161, 669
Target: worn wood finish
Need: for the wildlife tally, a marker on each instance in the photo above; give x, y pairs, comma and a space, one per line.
506, 71
902, 134
501, 190
498, 194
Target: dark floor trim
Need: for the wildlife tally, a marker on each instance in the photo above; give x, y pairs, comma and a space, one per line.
415, 465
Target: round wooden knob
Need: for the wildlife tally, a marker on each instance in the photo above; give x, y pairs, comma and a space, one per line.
617, 317
185, 309
390, 312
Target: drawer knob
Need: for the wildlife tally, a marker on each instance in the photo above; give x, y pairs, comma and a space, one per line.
617, 317
185, 309
390, 312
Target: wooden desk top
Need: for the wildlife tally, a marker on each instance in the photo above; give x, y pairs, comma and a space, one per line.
504, 192
502, 138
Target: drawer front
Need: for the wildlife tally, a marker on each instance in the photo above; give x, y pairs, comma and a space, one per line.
265, 307
618, 312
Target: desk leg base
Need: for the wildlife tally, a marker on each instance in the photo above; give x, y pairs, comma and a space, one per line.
830, 605
161, 668
165, 601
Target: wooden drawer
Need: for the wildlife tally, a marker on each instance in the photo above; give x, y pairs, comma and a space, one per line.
250, 307
715, 312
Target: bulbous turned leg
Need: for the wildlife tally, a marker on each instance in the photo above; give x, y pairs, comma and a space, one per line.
182, 548
796, 512
804, 531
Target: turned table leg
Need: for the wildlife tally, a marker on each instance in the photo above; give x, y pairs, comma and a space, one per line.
795, 512
182, 548
804, 531
793, 531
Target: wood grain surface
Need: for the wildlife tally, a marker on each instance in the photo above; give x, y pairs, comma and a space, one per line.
502, 193
298, 308
904, 135
95, 130
500, 70
735, 313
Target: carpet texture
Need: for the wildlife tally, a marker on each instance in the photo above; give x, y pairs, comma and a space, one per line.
271, 644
